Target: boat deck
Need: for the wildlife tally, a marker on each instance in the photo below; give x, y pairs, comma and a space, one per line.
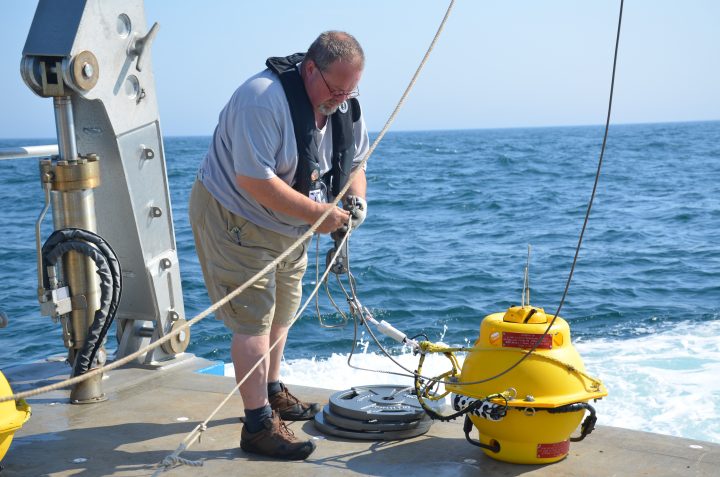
149, 412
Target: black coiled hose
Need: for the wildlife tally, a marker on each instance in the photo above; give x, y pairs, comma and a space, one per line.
108, 269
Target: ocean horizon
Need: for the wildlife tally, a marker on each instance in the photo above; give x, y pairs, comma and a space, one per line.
450, 216
373, 134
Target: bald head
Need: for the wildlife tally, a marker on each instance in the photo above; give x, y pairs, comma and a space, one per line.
332, 46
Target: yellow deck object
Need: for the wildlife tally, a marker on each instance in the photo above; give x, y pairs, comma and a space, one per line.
13, 414
552, 376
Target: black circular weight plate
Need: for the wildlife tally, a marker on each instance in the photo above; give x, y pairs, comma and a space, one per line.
372, 425
383, 402
326, 428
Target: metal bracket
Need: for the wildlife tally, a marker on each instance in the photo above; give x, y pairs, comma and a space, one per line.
59, 302
141, 46
51, 77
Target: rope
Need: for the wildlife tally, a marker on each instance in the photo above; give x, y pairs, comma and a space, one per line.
160, 341
195, 433
587, 214
531, 351
172, 460
214, 307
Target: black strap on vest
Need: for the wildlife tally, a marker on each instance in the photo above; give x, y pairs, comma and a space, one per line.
307, 175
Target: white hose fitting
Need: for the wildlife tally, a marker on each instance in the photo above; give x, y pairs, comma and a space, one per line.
389, 330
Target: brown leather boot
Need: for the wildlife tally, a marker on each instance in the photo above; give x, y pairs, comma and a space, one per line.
291, 408
275, 440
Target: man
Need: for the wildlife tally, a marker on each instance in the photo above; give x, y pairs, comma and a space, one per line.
282, 150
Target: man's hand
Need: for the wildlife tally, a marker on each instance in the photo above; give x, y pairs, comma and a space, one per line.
337, 219
276, 195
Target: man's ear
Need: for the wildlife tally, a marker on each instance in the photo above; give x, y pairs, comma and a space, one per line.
309, 66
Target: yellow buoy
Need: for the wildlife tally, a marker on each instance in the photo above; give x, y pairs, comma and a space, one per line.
543, 394
13, 414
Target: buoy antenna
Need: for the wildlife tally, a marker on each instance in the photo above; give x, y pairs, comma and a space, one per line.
525, 298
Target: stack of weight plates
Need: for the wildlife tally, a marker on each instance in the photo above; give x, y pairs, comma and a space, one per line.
382, 412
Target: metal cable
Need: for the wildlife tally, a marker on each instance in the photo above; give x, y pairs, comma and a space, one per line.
327, 290
567, 284
585, 221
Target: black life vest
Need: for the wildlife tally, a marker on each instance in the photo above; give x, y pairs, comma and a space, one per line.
307, 174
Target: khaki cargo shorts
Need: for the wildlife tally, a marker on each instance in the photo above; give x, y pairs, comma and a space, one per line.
231, 250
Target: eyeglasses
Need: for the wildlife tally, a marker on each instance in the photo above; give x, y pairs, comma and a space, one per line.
339, 93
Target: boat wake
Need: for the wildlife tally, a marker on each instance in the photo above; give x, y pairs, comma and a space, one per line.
664, 383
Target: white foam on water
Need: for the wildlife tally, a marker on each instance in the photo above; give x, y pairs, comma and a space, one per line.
335, 373
667, 382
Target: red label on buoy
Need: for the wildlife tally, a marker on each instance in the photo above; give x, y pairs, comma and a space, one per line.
556, 449
525, 340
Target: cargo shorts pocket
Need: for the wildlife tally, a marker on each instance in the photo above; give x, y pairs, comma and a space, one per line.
236, 228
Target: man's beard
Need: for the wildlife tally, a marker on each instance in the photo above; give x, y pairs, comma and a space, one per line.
327, 109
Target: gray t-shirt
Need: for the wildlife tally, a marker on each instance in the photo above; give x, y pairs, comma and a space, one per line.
255, 138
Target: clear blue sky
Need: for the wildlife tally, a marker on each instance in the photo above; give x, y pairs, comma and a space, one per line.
499, 63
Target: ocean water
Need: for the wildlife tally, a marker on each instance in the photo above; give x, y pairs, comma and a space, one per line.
451, 214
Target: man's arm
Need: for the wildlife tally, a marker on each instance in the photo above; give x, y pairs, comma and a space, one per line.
276, 195
359, 185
